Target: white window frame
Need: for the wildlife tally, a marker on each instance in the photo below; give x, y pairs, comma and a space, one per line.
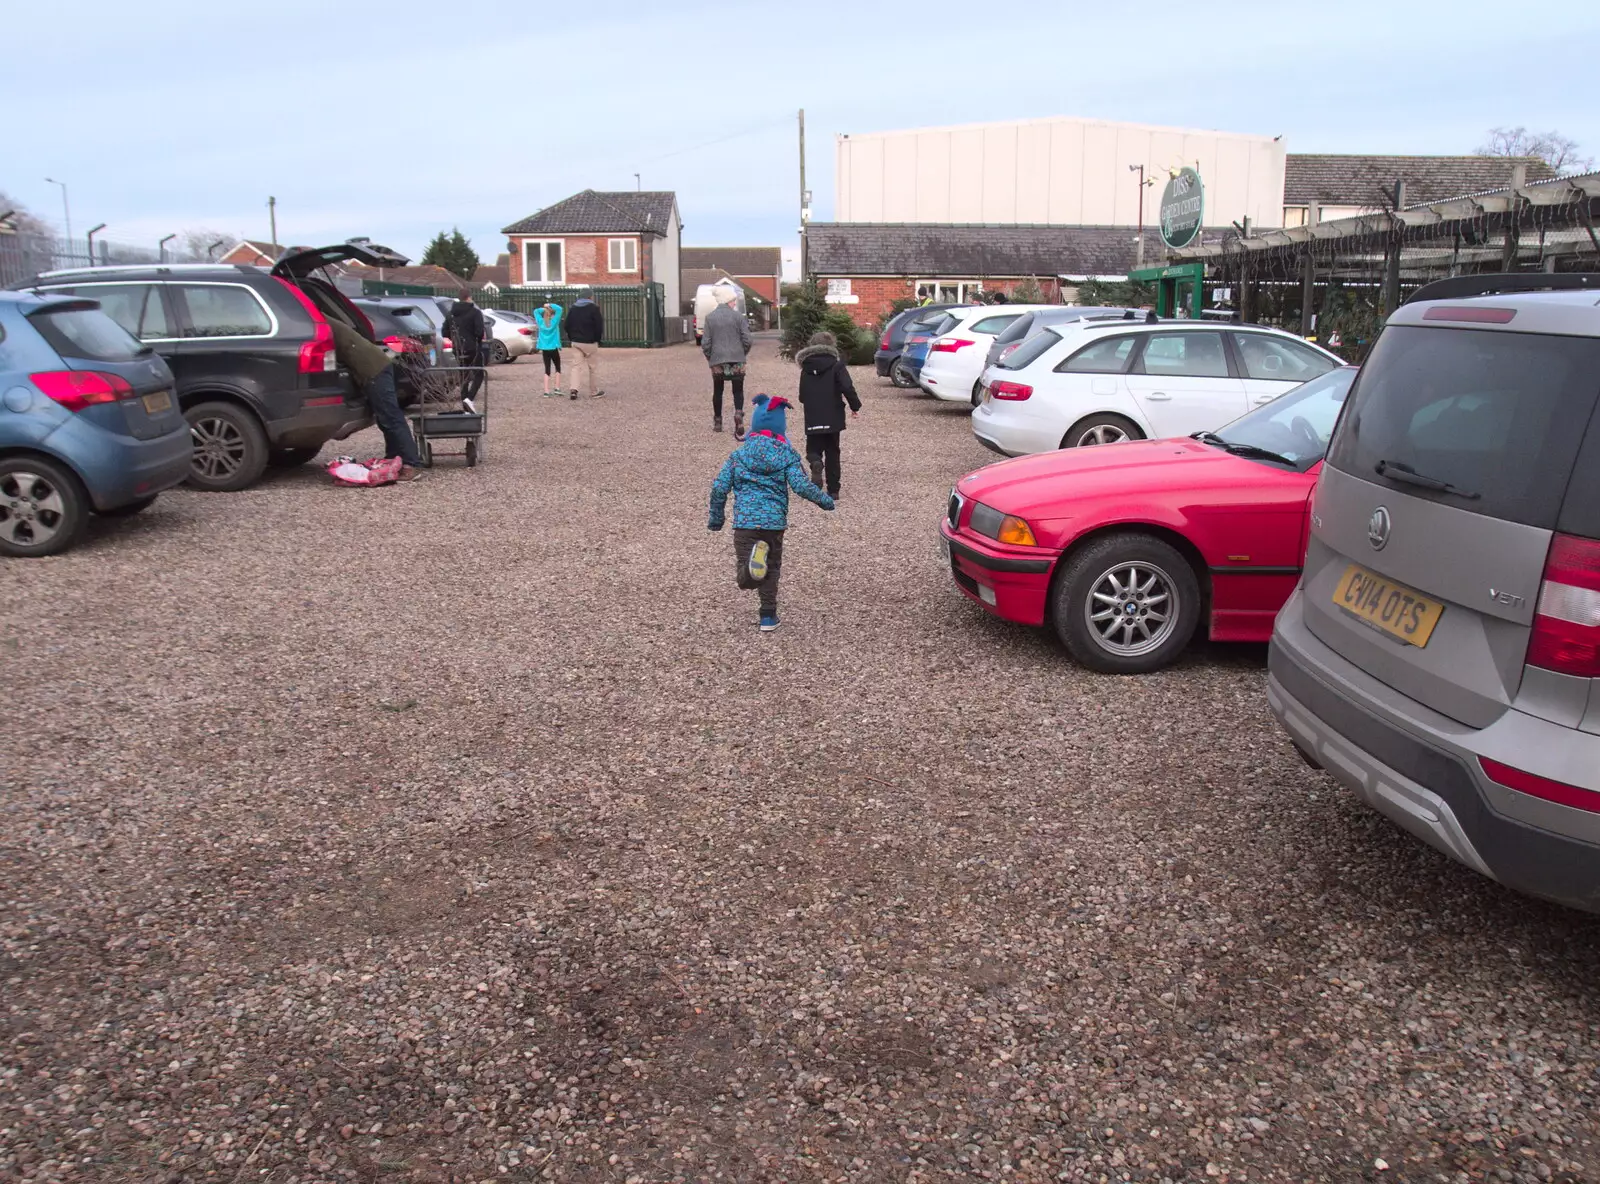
544, 280
612, 243
966, 290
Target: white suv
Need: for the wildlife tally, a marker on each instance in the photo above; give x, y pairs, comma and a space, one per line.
1100, 382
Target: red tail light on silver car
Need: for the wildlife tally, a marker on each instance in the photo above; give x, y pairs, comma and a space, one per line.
1566, 623
1011, 391
949, 345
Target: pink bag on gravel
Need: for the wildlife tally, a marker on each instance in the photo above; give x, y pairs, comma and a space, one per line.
347, 470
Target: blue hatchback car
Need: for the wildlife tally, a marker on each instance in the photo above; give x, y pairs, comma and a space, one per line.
88, 422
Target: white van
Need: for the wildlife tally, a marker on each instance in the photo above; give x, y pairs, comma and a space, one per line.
705, 299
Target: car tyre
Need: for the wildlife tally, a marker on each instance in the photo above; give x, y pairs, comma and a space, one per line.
129, 509
1126, 604
230, 449
288, 458
1101, 428
900, 374
977, 392
499, 353
43, 507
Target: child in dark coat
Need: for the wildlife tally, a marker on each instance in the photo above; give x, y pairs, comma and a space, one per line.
825, 385
759, 474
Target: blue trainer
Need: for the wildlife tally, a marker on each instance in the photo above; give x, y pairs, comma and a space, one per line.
769, 622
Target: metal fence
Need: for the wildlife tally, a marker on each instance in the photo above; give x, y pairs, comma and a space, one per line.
24, 255
633, 312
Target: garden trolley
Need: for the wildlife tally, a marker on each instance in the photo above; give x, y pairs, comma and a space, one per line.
440, 413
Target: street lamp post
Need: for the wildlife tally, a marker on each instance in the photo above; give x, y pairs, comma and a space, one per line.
161, 247
66, 213
90, 237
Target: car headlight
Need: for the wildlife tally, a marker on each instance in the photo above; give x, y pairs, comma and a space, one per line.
1003, 528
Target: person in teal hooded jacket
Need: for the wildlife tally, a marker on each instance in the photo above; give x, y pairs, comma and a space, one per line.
759, 474
547, 319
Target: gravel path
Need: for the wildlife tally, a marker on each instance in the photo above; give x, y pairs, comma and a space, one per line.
469, 831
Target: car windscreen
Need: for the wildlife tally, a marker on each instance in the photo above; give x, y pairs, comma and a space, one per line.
1296, 425
76, 331
1029, 351
1486, 421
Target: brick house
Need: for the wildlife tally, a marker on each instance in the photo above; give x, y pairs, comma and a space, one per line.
758, 268
598, 239
866, 266
252, 253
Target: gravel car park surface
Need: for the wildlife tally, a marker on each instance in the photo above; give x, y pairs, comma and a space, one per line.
468, 830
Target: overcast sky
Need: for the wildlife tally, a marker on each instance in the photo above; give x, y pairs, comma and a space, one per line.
396, 120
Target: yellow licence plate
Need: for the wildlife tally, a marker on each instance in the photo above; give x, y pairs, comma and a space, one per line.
1393, 608
157, 403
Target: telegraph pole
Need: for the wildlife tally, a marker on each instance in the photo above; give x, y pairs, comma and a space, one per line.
272, 212
804, 262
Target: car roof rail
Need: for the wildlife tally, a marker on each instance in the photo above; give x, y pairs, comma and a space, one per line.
1458, 287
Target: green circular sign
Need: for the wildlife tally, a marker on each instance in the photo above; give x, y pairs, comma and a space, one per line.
1182, 208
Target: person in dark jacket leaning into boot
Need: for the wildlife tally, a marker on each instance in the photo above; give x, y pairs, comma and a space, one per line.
825, 387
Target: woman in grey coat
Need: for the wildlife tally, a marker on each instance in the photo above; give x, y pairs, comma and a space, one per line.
726, 342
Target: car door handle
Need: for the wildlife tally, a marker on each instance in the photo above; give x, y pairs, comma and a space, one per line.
1159, 397
1265, 398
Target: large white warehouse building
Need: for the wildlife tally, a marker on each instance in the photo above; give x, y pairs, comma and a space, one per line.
1063, 171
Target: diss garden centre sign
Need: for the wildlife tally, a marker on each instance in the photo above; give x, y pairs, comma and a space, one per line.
1182, 208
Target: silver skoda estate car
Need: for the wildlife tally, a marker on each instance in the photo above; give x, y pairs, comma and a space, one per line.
1441, 656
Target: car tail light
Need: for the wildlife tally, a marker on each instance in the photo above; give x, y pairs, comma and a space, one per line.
1566, 623
1012, 391
949, 345
398, 344
884, 343
525, 332
1540, 787
77, 389
918, 340
1482, 316
317, 355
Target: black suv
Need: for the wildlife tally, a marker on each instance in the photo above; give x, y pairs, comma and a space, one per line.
251, 351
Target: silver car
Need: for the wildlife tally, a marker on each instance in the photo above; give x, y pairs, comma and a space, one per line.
1441, 656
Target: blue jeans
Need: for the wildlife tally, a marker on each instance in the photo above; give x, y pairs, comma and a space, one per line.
385, 403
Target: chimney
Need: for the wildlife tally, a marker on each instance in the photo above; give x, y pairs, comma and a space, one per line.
1519, 176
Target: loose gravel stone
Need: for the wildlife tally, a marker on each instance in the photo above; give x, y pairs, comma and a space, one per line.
468, 830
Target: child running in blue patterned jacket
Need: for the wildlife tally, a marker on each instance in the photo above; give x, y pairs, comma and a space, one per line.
759, 474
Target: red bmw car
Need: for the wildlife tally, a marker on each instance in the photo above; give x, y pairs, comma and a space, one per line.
1125, 549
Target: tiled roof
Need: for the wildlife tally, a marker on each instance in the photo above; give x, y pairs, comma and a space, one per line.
927, 249
265, 249
423, 274
498, 274
590, 212
735, 260
1369, 180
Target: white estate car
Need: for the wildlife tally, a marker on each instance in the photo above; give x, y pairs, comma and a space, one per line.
956, 356
1102, 382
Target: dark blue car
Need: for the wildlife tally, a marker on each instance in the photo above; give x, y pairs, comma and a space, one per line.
919, 338
88, 422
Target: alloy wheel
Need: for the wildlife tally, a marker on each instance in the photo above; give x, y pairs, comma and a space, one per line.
1131, 609
219, 448
1102, 433
31, 508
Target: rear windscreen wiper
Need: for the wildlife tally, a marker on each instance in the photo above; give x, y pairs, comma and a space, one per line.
1403, 473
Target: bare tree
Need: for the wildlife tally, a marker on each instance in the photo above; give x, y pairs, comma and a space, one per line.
1558, 151
195, 241
22, 220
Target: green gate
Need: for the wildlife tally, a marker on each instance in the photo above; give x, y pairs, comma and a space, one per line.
633, 312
